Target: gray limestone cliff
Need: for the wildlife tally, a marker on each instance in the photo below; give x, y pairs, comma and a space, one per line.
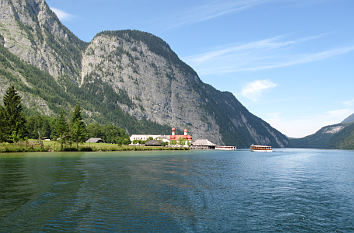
30, 30
158, 89
162, 88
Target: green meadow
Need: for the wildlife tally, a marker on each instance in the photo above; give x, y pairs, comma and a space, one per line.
54, 146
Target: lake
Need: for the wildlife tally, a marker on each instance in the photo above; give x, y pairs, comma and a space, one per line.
289, 190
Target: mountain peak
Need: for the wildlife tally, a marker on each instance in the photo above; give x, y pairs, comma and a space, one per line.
349, 119
34, 33
160, 87
154, 43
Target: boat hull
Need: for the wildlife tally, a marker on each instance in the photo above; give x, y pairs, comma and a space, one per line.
225, 148
262, 150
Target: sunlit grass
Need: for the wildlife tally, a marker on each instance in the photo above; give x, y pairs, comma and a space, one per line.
51, 146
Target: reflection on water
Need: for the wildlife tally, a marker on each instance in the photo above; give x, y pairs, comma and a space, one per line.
216, 191
15, 188
36, 189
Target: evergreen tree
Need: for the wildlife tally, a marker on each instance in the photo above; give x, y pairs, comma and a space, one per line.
2, 124
78, 127
38, 125
109, 133
95, 130
114, 134
62, 129
14, 118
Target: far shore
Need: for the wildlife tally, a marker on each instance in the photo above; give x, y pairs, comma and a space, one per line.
53, 146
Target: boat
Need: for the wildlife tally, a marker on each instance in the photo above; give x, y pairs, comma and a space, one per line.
225, 148
261, 148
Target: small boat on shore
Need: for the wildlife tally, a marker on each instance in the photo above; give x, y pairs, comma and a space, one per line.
261, 148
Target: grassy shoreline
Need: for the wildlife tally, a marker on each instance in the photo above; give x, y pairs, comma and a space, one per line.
53, 146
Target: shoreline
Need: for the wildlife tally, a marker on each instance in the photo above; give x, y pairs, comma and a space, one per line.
53, 146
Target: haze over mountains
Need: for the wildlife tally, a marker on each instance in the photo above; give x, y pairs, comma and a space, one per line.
130, 78
339, 136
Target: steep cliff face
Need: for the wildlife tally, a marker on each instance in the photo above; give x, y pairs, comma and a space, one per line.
30, 30
155, 87
38, 89
160, 87
129, 78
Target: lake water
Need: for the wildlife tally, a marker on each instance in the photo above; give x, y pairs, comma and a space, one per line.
289, 190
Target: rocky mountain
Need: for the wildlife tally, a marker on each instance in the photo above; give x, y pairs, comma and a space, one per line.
130, 78
42, 93
39, 89
338, 136
343, 139
349, 119
30, 30
320, 139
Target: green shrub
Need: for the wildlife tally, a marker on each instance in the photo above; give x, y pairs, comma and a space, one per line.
85, 149
70, 149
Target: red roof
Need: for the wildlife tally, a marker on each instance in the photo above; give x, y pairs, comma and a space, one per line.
178, 137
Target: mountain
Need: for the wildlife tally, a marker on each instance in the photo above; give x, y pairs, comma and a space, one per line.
31, 31
338, 136
320, 139
39, 89
130, 78
343, 139
349, 119
43, 94
159, 86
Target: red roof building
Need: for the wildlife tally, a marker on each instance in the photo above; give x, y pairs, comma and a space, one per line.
186, 136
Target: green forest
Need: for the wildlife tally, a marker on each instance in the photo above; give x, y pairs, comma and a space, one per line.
68, 128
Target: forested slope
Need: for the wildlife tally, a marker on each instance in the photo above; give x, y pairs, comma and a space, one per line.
339, 136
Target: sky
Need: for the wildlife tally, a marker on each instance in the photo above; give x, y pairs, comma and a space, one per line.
290, 62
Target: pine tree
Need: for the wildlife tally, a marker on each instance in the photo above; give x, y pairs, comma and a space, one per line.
78, 127
14, 118
62, 128
2, 124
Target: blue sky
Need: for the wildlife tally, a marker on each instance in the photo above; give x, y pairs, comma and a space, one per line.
290, 62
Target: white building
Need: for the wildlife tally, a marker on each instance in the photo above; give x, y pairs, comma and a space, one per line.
143, 137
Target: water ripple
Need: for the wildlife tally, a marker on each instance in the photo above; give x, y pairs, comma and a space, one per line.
286, 191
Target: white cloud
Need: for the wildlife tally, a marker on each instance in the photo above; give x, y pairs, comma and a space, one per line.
213, 10
349, 103
256, 88
265, 44
270, 53
307, 58
62, 15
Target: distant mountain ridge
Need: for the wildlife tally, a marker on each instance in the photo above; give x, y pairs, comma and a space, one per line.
130, 78
320, 139
338, 136
344, 139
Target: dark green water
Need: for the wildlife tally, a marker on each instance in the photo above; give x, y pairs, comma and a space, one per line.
284, 191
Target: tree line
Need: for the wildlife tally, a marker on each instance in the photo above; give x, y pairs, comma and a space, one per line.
15, 126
